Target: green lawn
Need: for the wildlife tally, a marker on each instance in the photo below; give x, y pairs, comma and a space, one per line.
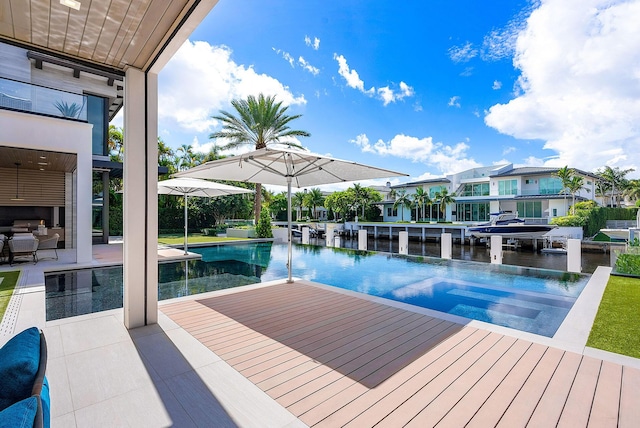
617, 325
194, 238
8, 281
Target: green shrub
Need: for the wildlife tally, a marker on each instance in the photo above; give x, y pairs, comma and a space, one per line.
628, 264
263, 229
569, 221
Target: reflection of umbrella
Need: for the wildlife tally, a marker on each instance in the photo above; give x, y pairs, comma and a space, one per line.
286, 167
196, 187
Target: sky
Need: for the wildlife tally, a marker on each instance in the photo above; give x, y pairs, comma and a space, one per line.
426, 88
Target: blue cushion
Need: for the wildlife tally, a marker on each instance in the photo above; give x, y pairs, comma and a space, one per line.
19, 361
20, 415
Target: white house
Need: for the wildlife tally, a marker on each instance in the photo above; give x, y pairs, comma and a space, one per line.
535, 193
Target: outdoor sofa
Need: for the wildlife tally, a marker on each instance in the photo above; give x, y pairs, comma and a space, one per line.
24, 389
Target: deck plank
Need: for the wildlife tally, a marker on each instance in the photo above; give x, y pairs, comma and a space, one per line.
578, 407
337, 360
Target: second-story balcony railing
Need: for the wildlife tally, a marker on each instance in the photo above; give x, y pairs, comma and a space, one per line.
36, 99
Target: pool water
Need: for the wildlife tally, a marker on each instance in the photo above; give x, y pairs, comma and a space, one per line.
532, 300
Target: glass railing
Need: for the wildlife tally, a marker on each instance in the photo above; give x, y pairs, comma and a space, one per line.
40, 100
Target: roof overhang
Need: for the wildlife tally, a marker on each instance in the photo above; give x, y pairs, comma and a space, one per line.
102, 37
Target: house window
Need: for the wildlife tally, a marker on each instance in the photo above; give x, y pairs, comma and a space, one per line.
550, 186
508, 187
477, 189
477, 211
555, 212
435, 189
530, 209
97, 111
392, 212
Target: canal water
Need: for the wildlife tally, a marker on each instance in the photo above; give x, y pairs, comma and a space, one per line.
480, 253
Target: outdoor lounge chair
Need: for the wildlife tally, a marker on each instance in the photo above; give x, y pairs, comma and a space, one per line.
20, 246
48, 244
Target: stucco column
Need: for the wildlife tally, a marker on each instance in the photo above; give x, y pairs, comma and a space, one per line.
140, 216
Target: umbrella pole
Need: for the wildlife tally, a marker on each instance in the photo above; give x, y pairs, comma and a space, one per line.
289, 227
185, 224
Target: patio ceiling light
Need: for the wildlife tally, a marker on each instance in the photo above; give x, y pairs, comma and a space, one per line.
73, 4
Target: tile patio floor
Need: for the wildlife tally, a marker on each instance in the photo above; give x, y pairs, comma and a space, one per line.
286, 355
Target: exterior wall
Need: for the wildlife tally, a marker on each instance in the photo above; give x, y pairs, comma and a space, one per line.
24, 130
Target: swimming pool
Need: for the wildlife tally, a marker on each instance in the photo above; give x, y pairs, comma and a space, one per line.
532, 300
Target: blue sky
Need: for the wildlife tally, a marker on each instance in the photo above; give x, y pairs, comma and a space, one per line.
422, 87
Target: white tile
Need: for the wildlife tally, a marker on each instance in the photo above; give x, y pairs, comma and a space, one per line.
192, 349
64, 421
198, 401
162, 354
92, 333
103, 373
150, 406
249, 405
53, 337
60, 392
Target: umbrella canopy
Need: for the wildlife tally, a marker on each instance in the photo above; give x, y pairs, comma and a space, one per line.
286, 167
195, 187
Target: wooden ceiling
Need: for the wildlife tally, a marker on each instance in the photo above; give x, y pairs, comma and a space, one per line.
110, 33
37, 159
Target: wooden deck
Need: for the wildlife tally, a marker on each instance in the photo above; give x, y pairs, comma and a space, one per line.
336, 360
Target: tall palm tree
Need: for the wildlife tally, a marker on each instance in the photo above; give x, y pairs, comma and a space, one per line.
314, 199
402, 200
616, 177
297, 200
565, 174
259, 122
574, 186
444, 198
632, 191
360, 194
187, 157
420, 199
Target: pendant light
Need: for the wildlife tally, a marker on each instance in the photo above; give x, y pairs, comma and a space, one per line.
17, 198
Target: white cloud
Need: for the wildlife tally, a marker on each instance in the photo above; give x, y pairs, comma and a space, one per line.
468, 71
202, 79
386, 94
350, 76
445, 158
311, 69
579, 88
462, 53
286, 55
507, 150
315, 44
496, 85
500, 43
454, 101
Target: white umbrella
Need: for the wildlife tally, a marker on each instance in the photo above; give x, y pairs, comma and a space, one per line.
286, 167
195, 187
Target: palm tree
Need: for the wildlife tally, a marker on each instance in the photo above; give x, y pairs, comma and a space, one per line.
632, 191
297, 200
443, 198
616, 178
115, 143
186, 160
360, 195
420, 199
402, 200
314, 199
260, 122
565, 174
574, 187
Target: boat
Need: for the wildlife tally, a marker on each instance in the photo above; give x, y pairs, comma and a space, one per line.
508, 225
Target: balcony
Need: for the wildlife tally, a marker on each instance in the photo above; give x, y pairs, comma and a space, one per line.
26, 97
